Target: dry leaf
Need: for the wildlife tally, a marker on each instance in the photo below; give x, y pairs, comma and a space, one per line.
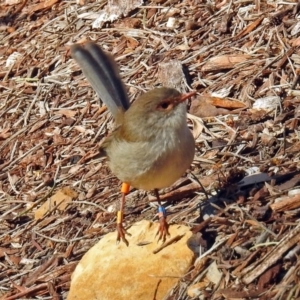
128, 23
213, 274
206, 110
296, 42
201, 107
60, 200
132, 43
81, 129
225, 103
43, 5
224, 62
249, 28
286, 203
197, 289
197, 125
12, 2
38, 125
69, 113
183, 47
5, 133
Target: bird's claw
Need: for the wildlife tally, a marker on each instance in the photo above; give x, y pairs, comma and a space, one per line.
121, 232
163, 229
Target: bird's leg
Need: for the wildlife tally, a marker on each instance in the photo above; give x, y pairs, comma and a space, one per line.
163, 229
121, 231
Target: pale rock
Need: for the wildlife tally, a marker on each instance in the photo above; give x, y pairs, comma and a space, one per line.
109, 271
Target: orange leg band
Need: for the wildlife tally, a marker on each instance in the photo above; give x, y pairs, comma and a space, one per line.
125, 188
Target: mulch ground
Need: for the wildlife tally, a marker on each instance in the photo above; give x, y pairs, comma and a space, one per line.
241, 198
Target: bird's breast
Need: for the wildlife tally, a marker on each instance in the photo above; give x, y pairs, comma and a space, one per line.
153, 163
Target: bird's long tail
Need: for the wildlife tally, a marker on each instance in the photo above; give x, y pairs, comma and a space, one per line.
101, 71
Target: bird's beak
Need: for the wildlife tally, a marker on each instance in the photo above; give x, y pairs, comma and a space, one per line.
184, 97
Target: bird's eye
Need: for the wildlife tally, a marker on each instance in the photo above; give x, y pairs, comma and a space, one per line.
166, 105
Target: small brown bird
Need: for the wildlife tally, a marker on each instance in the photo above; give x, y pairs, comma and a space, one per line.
151, 146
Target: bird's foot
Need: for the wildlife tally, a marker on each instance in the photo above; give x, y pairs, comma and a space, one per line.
121, 231
163, 229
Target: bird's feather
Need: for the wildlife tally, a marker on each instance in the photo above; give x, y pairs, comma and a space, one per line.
102, 73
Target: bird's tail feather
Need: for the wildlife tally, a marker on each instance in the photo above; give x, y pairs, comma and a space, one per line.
101, 71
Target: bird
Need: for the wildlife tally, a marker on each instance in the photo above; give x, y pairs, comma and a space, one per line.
151, 145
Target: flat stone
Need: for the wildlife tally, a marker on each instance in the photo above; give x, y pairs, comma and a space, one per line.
109, 271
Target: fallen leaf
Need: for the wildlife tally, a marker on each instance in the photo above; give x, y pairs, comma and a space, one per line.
60, 200
69, 113
296, 42
249, 28
5, 133
224, 62
43, 5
